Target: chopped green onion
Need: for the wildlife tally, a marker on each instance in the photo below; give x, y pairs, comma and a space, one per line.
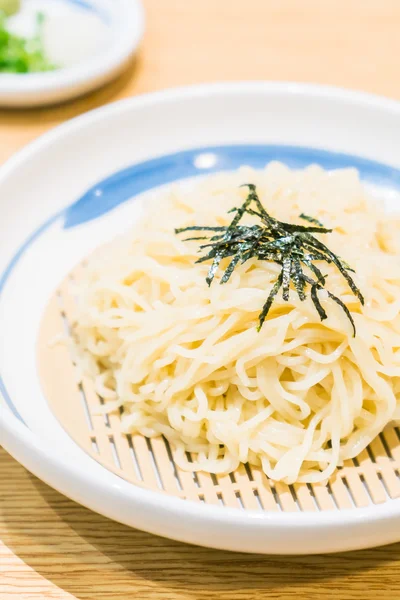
23, 55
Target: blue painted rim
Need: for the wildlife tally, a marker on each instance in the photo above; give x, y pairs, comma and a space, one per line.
82, 4
128, 183
90, 6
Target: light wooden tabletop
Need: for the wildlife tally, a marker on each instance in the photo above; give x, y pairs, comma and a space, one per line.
53, 548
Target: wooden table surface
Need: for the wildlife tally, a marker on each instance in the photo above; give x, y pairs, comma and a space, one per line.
53, 548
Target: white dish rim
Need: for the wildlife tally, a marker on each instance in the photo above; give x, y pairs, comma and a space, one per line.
44, 462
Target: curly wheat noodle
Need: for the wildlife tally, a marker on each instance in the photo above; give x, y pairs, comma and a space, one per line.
186, 361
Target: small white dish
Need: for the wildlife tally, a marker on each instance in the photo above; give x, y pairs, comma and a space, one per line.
76, 187
109, 31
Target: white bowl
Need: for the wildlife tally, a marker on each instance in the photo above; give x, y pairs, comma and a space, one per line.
58, 202
125, 21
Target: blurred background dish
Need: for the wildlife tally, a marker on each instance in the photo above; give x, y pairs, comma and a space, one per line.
55, 50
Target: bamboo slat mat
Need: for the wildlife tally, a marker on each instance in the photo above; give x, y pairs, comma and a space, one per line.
371, 478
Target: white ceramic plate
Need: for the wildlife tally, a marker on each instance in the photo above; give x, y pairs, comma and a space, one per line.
72, 189
119, 24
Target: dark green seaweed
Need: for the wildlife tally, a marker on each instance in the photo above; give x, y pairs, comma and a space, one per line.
287, 244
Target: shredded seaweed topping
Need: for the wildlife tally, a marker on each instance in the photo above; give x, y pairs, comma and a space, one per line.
293, 247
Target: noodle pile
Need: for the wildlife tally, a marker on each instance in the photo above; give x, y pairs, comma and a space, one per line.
185, 360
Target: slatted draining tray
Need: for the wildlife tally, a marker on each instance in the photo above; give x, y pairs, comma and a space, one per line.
372, 478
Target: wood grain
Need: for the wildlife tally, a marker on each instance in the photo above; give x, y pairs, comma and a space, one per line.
371, 481
53, 548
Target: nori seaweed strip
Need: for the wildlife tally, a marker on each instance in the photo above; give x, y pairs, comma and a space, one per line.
251, 250
230, 269
317, 303
270, 256
346, 310
315, 254
198, 228
315, 270
298, 279
239, 214
311, 219
286, 270
209, 256
302, 229
335, 299
213, 269
288, 245
275, 289
279, 243
339, 265
253, 193
288, 227
255, 213
345, 265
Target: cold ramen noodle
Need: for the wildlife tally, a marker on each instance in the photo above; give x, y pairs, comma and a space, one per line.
251, 317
